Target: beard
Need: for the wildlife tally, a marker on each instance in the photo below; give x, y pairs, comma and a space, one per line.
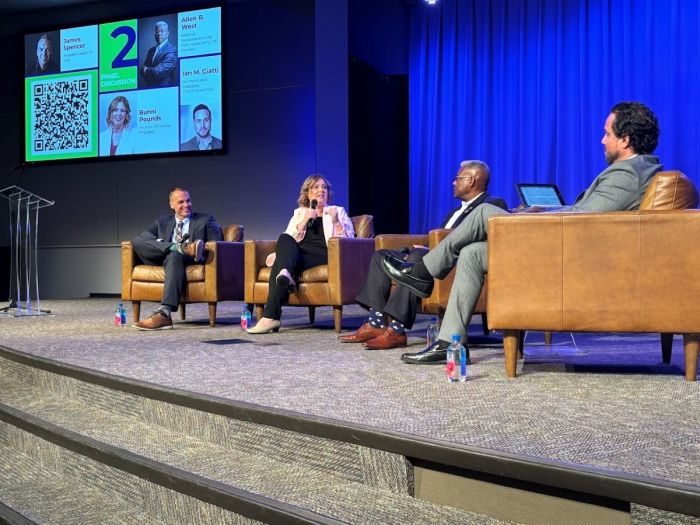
611, 156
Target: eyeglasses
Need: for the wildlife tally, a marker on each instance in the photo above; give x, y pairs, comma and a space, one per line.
462, 177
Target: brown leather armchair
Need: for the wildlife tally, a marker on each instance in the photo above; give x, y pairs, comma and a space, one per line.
437, 302
218, 278
334, 284
634, 271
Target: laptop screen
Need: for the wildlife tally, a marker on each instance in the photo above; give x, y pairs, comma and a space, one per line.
539, 195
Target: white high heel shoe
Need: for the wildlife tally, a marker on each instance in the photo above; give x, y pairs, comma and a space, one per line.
265, 326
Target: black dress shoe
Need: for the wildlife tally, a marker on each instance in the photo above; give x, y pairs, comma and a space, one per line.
433, 355
400, 272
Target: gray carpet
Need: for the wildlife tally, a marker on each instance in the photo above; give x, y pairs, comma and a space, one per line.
601, 400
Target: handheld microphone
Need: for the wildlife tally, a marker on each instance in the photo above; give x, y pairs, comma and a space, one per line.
184, 238
314, 203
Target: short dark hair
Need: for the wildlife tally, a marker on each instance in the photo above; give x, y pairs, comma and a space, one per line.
174, 189
637, 122
198, 107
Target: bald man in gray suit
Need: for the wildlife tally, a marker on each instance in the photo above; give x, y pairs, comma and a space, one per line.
631, 135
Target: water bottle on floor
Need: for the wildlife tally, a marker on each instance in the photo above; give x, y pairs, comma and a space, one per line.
246, 319
456, 366
432, 332
120, 315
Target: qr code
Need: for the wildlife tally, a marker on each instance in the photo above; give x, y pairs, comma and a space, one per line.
61, 115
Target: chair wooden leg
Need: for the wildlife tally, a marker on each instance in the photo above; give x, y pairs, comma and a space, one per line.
691, 348
136, 308
183, 311
338, 318
510, 346
666, 347
212, 314
485, 323
548, 338
258, 312
312, 314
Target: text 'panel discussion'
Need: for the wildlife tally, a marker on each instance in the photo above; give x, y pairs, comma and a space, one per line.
350, 262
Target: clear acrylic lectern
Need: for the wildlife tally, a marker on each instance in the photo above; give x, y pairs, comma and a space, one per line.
24, 272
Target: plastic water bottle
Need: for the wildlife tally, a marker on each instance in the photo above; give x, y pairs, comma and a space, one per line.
120, 315
456, 366
246, 320
432, 332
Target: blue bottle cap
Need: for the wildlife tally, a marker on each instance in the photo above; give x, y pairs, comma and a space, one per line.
456, 338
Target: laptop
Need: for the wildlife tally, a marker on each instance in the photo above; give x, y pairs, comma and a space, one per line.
540, 195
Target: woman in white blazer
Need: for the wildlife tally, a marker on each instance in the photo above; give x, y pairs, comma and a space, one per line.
303, 245
118, 138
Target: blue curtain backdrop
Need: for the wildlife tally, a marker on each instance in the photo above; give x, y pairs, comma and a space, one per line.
526, 85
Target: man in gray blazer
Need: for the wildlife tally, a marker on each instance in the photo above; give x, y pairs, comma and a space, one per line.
174, 241
631, 135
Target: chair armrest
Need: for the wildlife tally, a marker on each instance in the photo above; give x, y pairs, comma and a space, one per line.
256, 251
348, 262
435, 236
128, 263
393, 241
223, 270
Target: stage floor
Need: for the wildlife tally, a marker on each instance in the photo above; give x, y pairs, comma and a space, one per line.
598, 401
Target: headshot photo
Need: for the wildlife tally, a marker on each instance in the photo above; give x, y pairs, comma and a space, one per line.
198, 125
158, 52
118, 131
41, 54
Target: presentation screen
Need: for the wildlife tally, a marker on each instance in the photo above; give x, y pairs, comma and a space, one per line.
131, 87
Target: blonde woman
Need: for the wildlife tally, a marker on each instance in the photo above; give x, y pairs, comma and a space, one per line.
303, 245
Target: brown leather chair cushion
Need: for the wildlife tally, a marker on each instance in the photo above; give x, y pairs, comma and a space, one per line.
156, 274
670, 190
317, 274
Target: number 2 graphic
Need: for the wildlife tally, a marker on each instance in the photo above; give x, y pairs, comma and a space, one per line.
119, 60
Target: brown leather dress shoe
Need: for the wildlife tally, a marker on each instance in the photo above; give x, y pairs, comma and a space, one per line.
364, 333
157, 321
388, 339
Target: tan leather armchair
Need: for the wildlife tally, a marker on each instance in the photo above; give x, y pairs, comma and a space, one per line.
334, 284
634, 271
218, 278
437, 302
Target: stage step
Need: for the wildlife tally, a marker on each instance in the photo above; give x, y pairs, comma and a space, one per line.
121, 446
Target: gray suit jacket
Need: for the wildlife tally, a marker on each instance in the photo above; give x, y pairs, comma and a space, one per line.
621, 186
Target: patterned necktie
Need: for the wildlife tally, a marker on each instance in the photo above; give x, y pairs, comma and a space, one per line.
178, 232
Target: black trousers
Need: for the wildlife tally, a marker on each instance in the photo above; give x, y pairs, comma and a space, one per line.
295, 257
157, 253
402, 305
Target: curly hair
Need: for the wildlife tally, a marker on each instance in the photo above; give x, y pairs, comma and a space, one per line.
637, 122
304, 200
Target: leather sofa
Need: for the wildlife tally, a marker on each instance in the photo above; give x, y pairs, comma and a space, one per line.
632, 271
218, 278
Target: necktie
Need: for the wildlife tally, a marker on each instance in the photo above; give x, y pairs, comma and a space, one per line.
178, 232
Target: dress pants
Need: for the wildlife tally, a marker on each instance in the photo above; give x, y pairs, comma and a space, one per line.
295, 257
157, 253
466, 247
376, 293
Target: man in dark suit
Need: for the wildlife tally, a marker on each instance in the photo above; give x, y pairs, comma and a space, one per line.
160, 67
469, 186
174, 242
203, 139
